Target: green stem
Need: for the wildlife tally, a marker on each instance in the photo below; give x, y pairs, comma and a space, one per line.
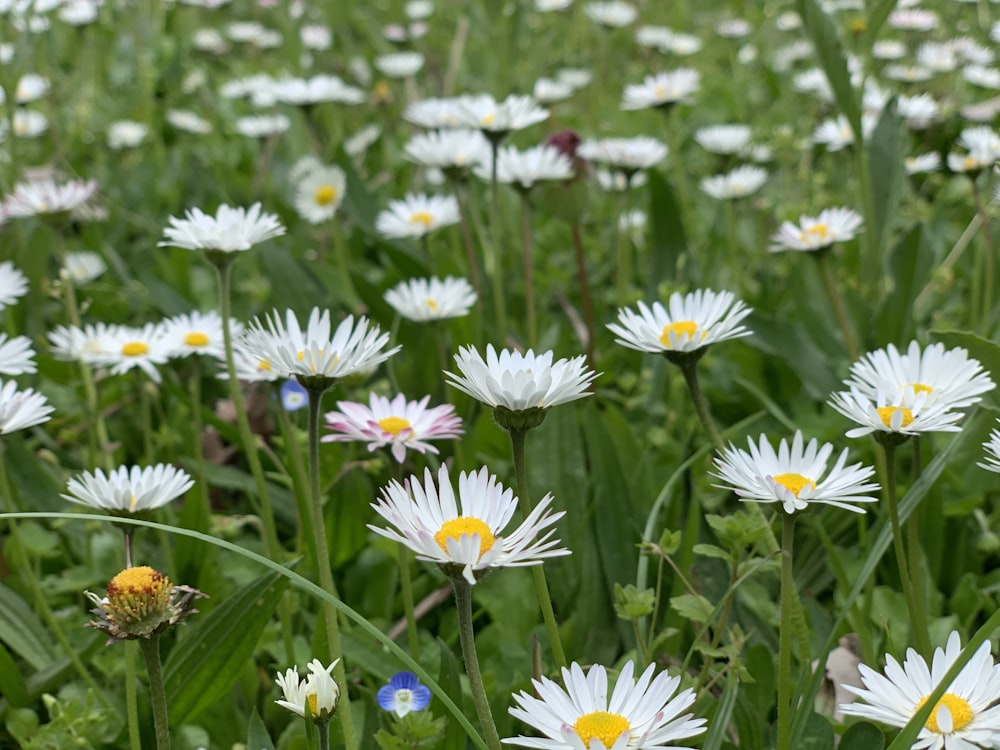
585, 301
323, 729
495, 259
830, 284
529, 277
517, 440
406, 585
300, 483
325, 570
463, 604
689, 367
470, 248
194, 393
150, 648
913, 546
873, 255
623, 249
342, 256
785, 635
131, 698
989, 272
918, 618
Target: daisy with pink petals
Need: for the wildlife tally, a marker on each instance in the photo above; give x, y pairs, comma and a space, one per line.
400, 423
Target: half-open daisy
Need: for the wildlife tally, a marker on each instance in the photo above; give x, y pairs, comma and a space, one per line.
127, 347
400, 423
453, 151
13, 283
47, 198
643, 713
523, 169
316, 696
16, 355
197, 333
949, 376
231, 230
794, 476
965, 718
421, 300
129, 489
904, 413
514, 382
662, 90
815, 233
464, 534
417, 215
992, 448
319, 193
626, 154
316, 355
739, 183
21, 408
497, 119
689, 322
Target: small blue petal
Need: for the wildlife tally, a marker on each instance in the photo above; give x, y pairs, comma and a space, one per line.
421, 697
293, 395
387, 698
404, 681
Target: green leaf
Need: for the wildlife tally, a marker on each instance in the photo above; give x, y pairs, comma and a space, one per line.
12, 685
862, 736
720, 721
203, 666
908, 265
632, 603
885, 155
818, 734
877, 17
823, 33
711, 550
22, 631
693, 607
667, 241
258, 738
454, 736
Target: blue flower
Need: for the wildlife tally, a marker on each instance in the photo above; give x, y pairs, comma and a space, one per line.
293, 395
403, 694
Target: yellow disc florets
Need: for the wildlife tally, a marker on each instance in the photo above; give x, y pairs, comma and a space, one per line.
601, 725
959, 708
466, 526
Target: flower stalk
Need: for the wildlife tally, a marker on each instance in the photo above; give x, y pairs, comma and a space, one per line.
150, 648
785, 635
467, 635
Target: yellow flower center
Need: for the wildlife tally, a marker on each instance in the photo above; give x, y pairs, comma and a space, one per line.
313, 700
135, 349
682, 329
660, 92
131, 505
820, 231
432, 304
465, 526
421, 217
794, 482
601, 725
959, 708
325, 195
970, 162
921, 388
196, 338
858, 24
264, 365
141, 580
885, 414
489, 119
394, 425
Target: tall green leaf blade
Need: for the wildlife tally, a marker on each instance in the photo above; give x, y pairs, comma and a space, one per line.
257, 737
877, 17
203, 666
450, 680
885, 154
12, 685
22, 631
830, 51
667, 241
908, 265
720, 721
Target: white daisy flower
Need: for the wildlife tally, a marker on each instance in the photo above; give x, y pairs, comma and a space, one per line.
418, 10
126, 134
417, 215
83, 266
923, 163
628, 154
454, 151
129, 489
889, 49
188, 121
662, 90
80, 12
723, 139
435, 113
739, 183
836, 134
317, 351
948, 376
250, 368
85, 344
965, 718
902, 412
815, 233
47, 198
919, 111
318, 693
688, 323
13, 283
913, 19
815, 82
654, 37
643, 713
982, 145
421, 300
618, 181
613, 14
941, 58
319, 194
992, 448
520, 382
399, 64
496, 119
907, 73
578, 78
550, 90
316, 37
262, 126
20, 409
16, 355
231, 230
128, 347
982, 76
466, 533
31, 87
209, 40
683, 45
733, 28
523, 169
548, 6
794, 476
362, 140
198, 333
